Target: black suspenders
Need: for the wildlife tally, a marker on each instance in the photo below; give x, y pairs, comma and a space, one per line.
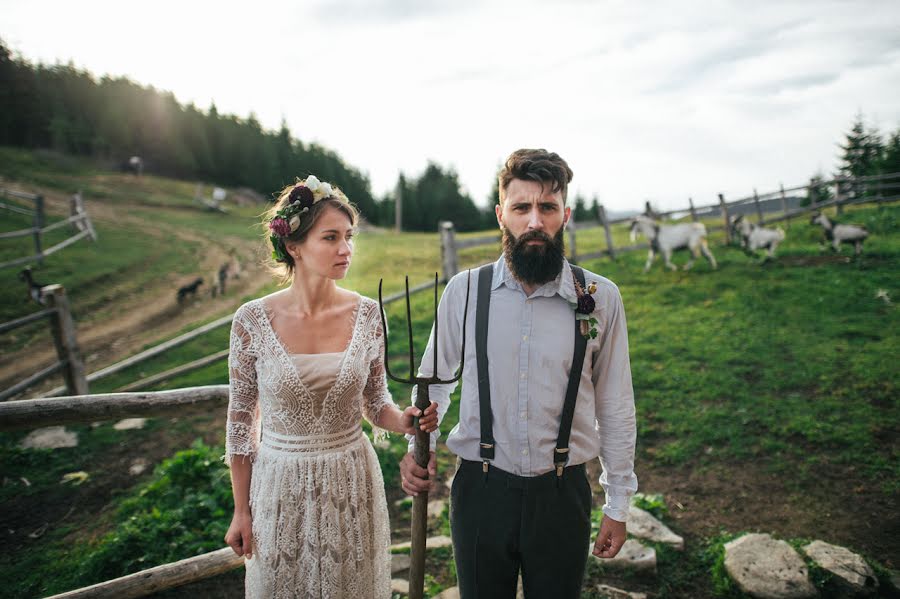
482, 311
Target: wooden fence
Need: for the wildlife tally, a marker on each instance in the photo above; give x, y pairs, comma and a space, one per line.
62, 327
34, 413
878, 189
78, 219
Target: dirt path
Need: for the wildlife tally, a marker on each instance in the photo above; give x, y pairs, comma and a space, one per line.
128, 317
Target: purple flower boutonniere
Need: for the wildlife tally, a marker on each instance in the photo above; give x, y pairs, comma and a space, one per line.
584, 309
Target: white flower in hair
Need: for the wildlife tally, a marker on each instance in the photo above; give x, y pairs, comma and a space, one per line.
294, 223
326, 190
312, 183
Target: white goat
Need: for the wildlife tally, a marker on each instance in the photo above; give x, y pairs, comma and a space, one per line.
838, 234
754, 237
668, 238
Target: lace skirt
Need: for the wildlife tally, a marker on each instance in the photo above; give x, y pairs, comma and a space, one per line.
320, 520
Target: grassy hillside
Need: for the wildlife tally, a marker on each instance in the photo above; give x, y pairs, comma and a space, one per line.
767, 397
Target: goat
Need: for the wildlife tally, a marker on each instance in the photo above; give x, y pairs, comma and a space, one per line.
754, 237
35, 289
838, 234
190, 289
668, 238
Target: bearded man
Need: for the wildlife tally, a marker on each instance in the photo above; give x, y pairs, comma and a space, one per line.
546, 387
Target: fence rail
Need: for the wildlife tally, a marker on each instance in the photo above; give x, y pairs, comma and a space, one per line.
62, 327
79, 220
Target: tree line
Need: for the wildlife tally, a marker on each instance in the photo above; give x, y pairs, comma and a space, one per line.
69, 110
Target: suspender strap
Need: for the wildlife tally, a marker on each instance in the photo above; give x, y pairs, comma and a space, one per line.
482, 311
561, 453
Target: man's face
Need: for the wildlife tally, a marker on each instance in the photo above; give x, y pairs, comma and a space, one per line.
530, 206
532, 219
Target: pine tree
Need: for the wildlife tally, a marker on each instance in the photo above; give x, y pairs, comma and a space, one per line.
861, 153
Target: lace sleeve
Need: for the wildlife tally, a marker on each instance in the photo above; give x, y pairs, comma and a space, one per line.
376, 395
242, 428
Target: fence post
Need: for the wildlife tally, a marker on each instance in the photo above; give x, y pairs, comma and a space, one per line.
573, 248
693, 212
838, 195
724, 208
812, 194
77, 209
448, 249
784, 206
601, 214
759, 216
38, 224
63, 328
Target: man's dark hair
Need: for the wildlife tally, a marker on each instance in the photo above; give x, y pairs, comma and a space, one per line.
540, 166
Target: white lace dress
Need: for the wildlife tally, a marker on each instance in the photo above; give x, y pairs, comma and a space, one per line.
320, 520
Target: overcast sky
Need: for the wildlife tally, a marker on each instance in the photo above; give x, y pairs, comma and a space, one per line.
646, 100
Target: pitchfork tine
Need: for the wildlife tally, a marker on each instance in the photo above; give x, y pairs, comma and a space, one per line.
462, 359
387, 367
412, 365
434, 371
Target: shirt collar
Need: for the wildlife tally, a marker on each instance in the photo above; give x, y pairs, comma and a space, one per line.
563, 285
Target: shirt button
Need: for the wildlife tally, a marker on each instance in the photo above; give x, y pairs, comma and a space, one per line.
524, 337
523, 375
524, 452
523, 415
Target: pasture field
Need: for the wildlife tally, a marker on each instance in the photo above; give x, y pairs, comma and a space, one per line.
767, 395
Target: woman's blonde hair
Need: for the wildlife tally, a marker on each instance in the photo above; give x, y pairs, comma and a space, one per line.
284, 268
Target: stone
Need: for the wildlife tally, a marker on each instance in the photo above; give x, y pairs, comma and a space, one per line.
632, 556
767, 568
608, 592
436, 508
398, 585
138, 465
451, 593
852, 575
430, 543
643, 525
51, 437
129, 424
399, 562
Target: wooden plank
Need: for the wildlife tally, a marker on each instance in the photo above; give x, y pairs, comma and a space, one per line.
160, 578
22, 195
173, 372
65, 339
412, 290
449, 261
17, 261
150, 352
17, 209
62, 223
601, 214
19, 233
34, 379
727, 225
66, 243
22, 321
37, 413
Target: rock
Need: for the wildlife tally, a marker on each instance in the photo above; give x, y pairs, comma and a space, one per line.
75, 478
852, 575
767, 568
430, 543
436, 508
644, 525
130, 424
51, 437
398, 585
608, 592
138, 465
399, 562
451, 593
633, 556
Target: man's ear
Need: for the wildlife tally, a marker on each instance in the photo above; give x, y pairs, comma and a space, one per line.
498, 210
567, 213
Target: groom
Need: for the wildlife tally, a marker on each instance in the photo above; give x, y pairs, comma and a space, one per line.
528, 420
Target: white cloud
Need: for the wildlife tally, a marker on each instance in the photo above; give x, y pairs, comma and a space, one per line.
646, 100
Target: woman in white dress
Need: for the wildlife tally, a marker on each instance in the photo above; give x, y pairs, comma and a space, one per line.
306, 364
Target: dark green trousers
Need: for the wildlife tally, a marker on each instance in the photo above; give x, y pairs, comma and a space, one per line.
507, 522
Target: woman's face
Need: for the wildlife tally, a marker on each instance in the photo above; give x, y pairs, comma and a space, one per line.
328, 247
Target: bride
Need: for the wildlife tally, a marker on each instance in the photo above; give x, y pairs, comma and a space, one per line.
306, 364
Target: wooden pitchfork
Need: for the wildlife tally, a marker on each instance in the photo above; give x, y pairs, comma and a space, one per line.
422, 446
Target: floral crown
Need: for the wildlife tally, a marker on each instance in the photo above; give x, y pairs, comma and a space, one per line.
287, 220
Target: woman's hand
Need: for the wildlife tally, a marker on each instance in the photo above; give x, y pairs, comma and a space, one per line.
240, 535
427, 421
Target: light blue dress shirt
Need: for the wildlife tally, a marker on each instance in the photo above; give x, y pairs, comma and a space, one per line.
530, 344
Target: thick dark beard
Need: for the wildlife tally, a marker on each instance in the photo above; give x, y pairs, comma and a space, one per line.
534, 264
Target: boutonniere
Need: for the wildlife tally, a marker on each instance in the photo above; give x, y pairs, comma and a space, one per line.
584, 308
